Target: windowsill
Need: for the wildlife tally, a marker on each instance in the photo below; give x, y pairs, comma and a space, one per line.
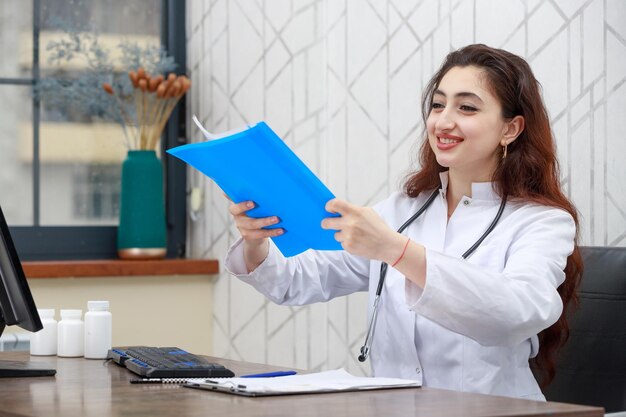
114, 268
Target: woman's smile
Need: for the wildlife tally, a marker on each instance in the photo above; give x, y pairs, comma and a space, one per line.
446, 141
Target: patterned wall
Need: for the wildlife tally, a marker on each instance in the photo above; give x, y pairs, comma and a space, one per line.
340, 82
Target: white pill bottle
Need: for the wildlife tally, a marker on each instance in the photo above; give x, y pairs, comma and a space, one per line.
70, 332
98, 330
44, 342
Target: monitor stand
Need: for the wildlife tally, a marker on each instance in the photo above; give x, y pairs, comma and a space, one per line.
16, 369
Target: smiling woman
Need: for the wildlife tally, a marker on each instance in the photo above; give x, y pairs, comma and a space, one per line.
468, 270
527, 173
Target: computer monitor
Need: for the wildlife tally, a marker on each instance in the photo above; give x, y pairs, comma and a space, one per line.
16, 304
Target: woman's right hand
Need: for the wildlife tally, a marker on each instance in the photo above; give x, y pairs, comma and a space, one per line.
255, 243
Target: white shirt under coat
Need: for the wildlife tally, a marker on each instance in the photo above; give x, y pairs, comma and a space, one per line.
475, 324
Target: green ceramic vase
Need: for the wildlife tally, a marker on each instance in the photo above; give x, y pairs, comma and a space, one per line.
142, 231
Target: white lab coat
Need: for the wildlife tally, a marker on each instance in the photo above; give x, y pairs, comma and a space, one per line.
474, 325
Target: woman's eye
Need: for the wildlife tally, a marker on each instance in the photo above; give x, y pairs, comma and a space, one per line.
435, 106
468, 108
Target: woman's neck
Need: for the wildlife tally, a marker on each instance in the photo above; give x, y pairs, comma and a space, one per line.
459, 185
457, 188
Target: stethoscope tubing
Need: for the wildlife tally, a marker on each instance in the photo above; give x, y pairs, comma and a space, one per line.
365, 349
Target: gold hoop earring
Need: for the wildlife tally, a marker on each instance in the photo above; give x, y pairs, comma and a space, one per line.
504, 150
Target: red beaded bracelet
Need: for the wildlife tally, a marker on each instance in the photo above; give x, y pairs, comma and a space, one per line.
403, 252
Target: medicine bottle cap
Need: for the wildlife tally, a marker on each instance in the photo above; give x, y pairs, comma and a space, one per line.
46, 313
71, 314
98, 305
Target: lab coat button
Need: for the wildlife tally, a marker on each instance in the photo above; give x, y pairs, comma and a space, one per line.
466, 202
418, 370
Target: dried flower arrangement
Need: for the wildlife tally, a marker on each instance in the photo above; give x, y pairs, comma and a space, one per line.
118, 90
154, 99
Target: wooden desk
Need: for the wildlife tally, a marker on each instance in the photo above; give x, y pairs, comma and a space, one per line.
93, 388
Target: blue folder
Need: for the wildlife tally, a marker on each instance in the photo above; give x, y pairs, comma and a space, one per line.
255, 164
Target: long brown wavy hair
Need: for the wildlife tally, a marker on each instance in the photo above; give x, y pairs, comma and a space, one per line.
529, 173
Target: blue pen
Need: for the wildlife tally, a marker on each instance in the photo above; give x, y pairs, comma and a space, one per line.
270, 374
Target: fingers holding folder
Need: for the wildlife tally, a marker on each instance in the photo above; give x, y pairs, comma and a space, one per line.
361, 231
255, 232
253, 229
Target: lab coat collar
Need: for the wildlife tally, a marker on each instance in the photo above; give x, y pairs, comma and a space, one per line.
480, 190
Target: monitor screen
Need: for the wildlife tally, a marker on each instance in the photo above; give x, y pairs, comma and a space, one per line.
16, 302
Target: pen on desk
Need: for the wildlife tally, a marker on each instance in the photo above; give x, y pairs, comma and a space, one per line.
270, 374
159, 381
146, 381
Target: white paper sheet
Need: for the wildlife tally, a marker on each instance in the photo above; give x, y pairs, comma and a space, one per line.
328, 381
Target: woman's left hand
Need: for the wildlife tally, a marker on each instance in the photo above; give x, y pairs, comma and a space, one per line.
361, 231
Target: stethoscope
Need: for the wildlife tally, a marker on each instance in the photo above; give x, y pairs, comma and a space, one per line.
365, 349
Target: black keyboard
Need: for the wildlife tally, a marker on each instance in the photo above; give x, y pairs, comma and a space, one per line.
167, 362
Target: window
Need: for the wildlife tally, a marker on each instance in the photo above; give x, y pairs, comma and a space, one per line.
96, 193
59, 166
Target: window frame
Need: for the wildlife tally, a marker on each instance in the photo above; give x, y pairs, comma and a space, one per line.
39, 242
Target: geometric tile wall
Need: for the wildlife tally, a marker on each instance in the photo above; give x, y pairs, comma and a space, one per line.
340, 82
